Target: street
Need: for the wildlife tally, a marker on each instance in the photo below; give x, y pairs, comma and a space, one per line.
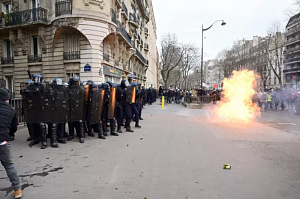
179, 153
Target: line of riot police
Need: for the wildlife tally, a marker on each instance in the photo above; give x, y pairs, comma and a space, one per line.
85, 108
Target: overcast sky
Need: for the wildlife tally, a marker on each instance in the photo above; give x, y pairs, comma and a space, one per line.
244, 18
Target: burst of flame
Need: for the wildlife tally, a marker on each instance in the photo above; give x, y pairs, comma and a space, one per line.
236, 103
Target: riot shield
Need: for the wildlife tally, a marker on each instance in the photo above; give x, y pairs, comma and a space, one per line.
94, 107
133, 95
76, 103
112, 103
129, 90
2, 83
57, 108
101, 104
34, 101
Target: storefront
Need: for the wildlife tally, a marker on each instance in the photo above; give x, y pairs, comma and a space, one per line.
112, 74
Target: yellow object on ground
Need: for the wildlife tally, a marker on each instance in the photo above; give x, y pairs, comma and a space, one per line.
163, 102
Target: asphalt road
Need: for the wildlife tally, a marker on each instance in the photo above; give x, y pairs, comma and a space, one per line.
178, 154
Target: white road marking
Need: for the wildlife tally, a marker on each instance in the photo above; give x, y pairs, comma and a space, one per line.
287, 124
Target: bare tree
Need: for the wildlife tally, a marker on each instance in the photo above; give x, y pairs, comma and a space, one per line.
170, 56
276, 46
189, 61
293, 9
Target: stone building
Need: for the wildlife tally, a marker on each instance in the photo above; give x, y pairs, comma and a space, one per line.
91, 39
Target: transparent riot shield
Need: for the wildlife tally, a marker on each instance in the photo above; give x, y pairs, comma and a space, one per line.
112, 103
76, 103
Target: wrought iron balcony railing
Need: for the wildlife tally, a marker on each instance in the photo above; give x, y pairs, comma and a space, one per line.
146, 31
140, 56
123, 32
25, 17
7, 60
124, 8
295, 59
113, 16
63, 7
34, 58
132, 18
72, 55
105, 57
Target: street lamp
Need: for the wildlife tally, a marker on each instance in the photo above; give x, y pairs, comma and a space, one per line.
205, 29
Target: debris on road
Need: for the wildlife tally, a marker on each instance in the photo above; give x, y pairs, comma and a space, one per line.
227, 166
141, 138
197, 182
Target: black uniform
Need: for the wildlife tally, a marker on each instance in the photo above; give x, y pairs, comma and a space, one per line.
123, 106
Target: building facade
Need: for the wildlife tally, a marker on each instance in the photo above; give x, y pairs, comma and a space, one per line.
292, 53
91, 39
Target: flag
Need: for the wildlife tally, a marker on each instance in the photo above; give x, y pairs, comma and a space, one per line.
293, 80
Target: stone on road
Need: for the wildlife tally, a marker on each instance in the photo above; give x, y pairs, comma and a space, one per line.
178, 153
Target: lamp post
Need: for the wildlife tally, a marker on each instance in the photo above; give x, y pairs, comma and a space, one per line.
205, 29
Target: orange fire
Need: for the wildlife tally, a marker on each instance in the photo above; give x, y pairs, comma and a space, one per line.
236, 103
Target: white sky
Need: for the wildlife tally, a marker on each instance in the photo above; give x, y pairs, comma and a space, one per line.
244, 18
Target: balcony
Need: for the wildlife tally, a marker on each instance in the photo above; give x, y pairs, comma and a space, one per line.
291, 70
132, 20
123, 32
118, 3
7, 60
143, 9
291, 60
105, 57
34, 58
35, 15
146, 46
293, 30
140, 56
72, 55
293, 40
292, 50
113, 16
63, 7
116, 62
124, 10
146, 31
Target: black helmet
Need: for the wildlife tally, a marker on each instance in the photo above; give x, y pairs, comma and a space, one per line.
74, 81
105, 86
90, 82
110, 83
124, 83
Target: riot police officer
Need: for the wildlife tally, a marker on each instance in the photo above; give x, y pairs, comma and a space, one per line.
94, 106
123, 106
134, 105
109, 108
76, 109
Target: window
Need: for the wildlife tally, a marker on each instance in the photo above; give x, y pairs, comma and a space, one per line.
288, 78
72, 42
35, 3
70, 75
6, 7
35, 46
9, 84
7, 49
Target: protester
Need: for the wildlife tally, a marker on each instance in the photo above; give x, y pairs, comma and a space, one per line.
8, 125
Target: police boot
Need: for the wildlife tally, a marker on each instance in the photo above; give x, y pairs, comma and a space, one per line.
80, 132
141, 118
32, 132
113, 127
90, 130
128, 129
137, 125
60, 132
104, 127
99, 130
43, 135
52, 129
119, 130
71, 131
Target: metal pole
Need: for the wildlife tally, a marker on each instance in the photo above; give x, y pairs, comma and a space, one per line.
202, 59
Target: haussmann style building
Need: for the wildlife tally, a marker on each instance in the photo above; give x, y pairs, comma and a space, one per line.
95, 40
